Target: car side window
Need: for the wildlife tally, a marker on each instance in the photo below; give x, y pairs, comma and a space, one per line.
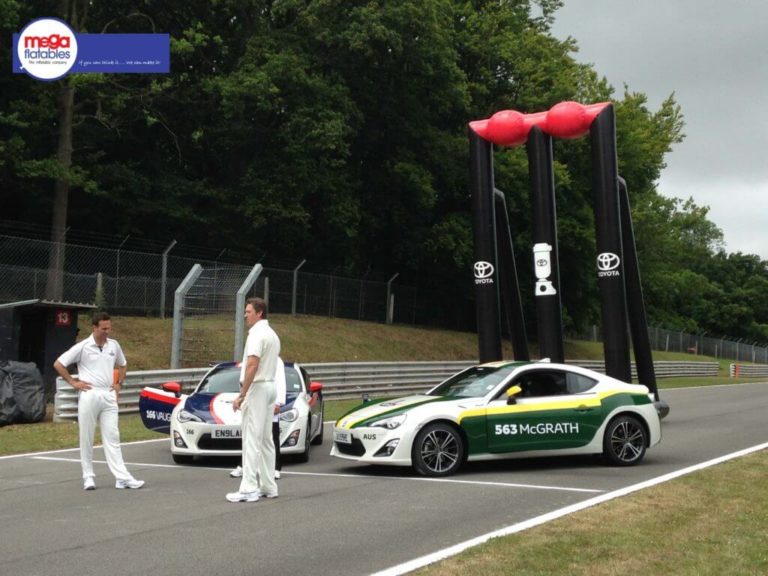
538, 383
578, 383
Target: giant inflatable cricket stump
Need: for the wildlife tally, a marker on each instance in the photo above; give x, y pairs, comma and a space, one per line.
617, 271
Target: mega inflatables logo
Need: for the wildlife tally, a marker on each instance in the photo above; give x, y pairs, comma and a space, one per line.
47, 49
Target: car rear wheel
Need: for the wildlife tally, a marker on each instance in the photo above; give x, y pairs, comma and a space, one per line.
625, 441
181, 458
438, 450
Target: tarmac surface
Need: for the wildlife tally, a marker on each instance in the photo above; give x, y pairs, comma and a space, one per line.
332, 517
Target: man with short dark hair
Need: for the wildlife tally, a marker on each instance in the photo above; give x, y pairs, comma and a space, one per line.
96, 358
257, 400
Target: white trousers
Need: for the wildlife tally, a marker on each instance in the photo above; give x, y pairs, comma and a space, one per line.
99, 404
258, 448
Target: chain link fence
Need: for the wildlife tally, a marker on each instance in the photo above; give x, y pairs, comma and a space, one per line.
666, 340
143, 283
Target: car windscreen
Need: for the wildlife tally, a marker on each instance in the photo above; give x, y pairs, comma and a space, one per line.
216, 382
473, 382
292, 381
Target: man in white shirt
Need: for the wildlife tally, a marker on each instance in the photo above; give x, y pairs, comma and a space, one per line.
257, 398
96, 358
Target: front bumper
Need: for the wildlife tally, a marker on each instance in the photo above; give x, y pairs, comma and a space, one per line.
373, 445
200, 439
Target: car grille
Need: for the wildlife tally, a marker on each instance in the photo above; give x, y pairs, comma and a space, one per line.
208, 443
354, 449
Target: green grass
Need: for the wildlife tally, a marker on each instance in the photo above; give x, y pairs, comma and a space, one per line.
713, 522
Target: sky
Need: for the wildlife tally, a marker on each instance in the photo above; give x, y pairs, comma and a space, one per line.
713, 55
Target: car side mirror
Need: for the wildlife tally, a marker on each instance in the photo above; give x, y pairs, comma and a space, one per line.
512, 392
173, 387
315, 387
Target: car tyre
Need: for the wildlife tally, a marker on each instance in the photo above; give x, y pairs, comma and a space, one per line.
438, 450
304, 456
182, 458
625, 441
318, 440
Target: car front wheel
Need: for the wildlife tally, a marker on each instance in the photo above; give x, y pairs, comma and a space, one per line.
438, 450
625, 441
318, 440
304, 456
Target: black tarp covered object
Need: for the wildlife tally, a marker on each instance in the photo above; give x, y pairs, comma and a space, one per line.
22, 393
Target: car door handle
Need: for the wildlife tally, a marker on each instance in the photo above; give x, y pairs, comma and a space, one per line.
584, 408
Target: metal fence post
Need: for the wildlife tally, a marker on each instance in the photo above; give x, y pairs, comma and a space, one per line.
390, 303
240, 309
178, 314
295, 286
164, 279
117, 269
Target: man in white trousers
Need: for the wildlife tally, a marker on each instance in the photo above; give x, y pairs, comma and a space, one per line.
279, 403
96, 358
257, 398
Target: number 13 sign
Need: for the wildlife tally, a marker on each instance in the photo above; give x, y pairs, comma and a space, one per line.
63, 318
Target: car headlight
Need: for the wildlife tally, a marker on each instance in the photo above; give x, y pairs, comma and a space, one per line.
289, 415
389, 423
186, 416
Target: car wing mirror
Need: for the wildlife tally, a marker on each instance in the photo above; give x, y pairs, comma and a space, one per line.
512, 393
315, 387
173, 387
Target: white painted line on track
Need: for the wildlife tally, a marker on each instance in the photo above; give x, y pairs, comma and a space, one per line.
555, 514
332, 475
141, 464
449, 481
76, 448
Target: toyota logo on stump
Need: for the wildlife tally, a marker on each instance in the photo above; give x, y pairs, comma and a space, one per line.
483, 272
607, 264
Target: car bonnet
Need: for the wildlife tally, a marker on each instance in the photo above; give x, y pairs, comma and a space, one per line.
214, 408
366, 413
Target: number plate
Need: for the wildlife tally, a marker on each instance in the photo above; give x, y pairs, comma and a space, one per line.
225, 433
342, 437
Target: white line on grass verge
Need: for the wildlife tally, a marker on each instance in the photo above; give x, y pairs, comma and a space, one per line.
549, 516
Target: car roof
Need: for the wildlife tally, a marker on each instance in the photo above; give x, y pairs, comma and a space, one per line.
231, 365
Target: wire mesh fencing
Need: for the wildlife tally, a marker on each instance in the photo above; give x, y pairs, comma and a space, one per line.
134, 282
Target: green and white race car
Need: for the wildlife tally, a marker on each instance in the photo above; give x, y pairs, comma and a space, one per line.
503, 410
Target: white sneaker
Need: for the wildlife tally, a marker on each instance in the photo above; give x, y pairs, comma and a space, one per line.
277, 474
237, 472
89, 484
133, 484
243, 496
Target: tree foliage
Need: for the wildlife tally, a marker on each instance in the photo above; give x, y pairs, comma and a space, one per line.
336, 131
